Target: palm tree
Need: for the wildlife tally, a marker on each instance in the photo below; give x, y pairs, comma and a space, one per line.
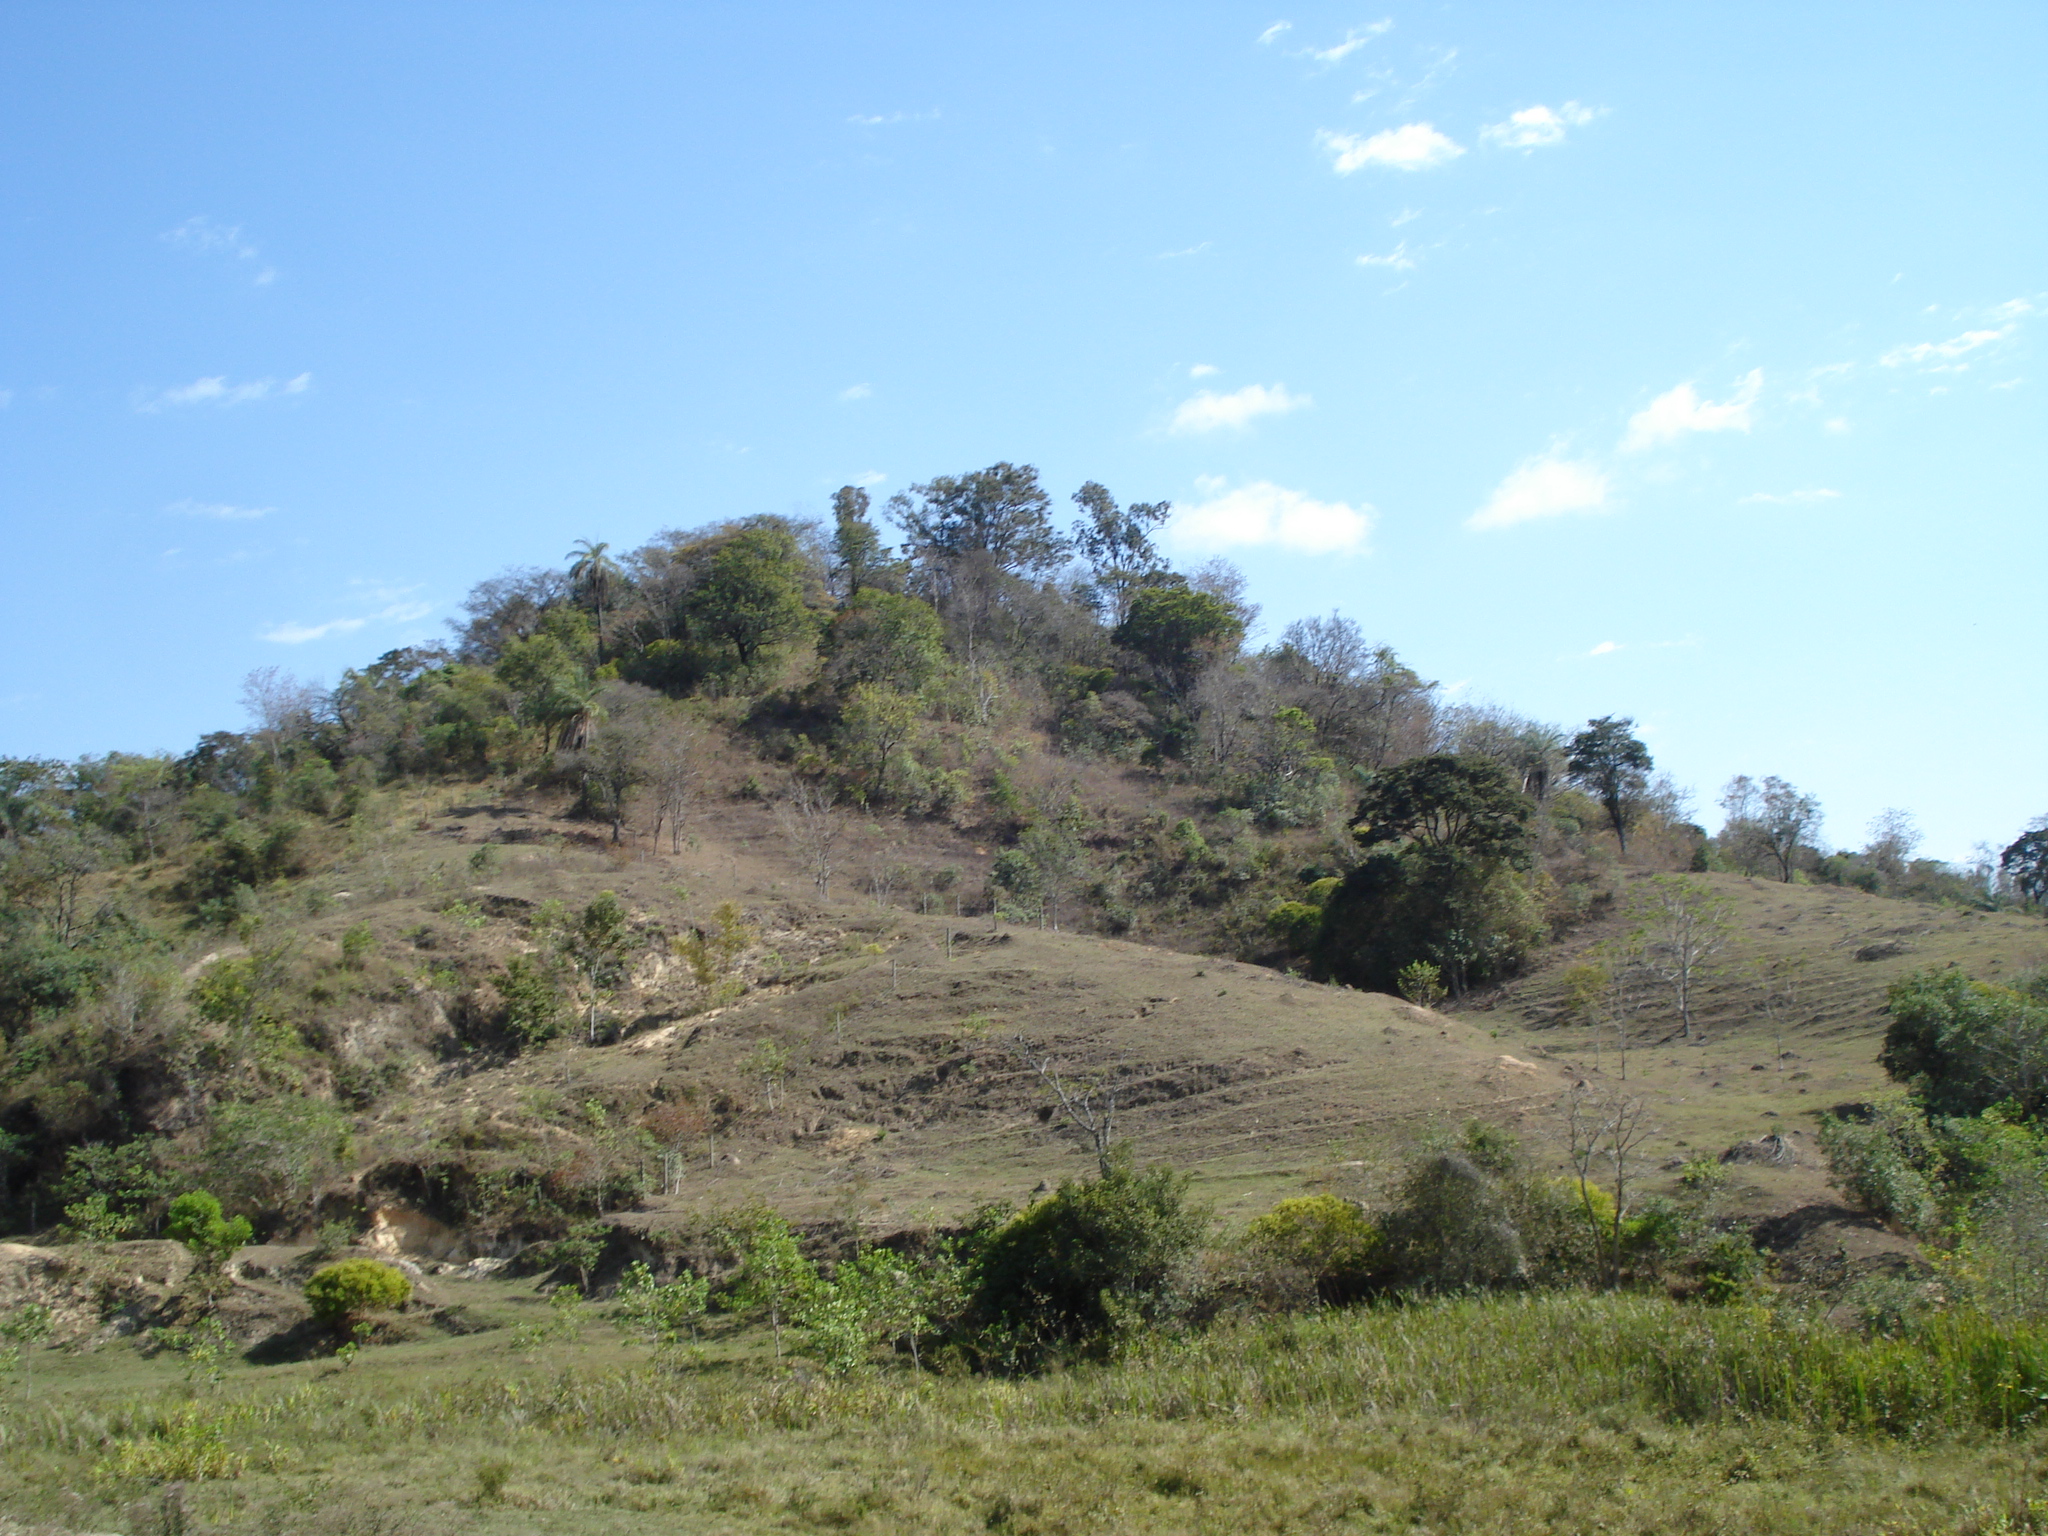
591, 569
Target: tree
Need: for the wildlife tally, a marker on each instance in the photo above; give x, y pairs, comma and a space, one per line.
1178, 632
1893, 837
1966, 1045
858, 554
275, 1154
195, 1220
592, 570
1772, 818
774, 1276
1117, 544
281, 706
615, 757
1444, 838
673, 754
878, 724
1681, 925
1000, 512
597, 945
885, 638
1607, 760
812, 822
1090, 1104
533, 1000
1446, 803
2025, 862
752, 593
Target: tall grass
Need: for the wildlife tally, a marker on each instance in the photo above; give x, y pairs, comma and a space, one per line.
1535, 1360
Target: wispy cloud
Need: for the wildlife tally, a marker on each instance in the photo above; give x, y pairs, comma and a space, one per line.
1804, 498
872, 477
1207, 411
1192, 250
1545, 486
202, 236
1266, 515
884, 119
1678, 411
218, 391
856, 392
1412, 147
219, 511
1278, 29
1354, 40
1938, 352
1605, 648
1537, 127
1398, 258
1204, 371
294, 633
1405, 216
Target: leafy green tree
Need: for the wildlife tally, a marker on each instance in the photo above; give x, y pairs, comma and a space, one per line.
885, 639
1000, 513
552, 687
593, 571
1610, 763
775, 1278
1771, 819
195, 1220
1117, 544
858, 555
664, 1315
1966, 1045
599, 944
1178, 632
1444, 838
127, 1178
2025, 862
752, 594
877, 725
532, 992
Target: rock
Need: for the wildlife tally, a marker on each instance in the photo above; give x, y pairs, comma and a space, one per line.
1772, 1149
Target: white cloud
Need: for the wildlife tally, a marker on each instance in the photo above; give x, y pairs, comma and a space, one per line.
1209, 485
872, 477
204, 237
1838, 424
1537, 127
301, 634
1264, 514
1192, 250
1604, 648
1203, 371
218, 391
1354, 40
1412, 147
1679, 411
856, 392
2014, 309
1545, 486
1790, 498
884, 119
1279, 28
1406, 215
1208, 410
219, 511
1942, 351
1398, 258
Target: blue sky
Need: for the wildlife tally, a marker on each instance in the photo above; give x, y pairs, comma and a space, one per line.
1678, 362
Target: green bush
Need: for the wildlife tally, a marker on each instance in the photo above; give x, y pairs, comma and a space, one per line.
342, 1292
195, 1220
1887, 1161
1091, 1258
1329, 1240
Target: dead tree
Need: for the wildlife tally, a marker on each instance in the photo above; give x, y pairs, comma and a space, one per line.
1091, 1108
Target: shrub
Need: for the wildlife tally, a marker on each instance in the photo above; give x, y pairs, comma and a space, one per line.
1886, 1161
195, 1220
340, 1293
1090, 1258
1329, 1240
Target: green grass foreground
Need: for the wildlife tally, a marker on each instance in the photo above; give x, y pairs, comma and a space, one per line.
1554, 1413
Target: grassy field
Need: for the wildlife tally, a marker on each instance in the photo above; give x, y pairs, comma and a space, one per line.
1560, 1413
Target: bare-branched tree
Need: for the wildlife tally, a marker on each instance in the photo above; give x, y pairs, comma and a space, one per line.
1089, 1104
